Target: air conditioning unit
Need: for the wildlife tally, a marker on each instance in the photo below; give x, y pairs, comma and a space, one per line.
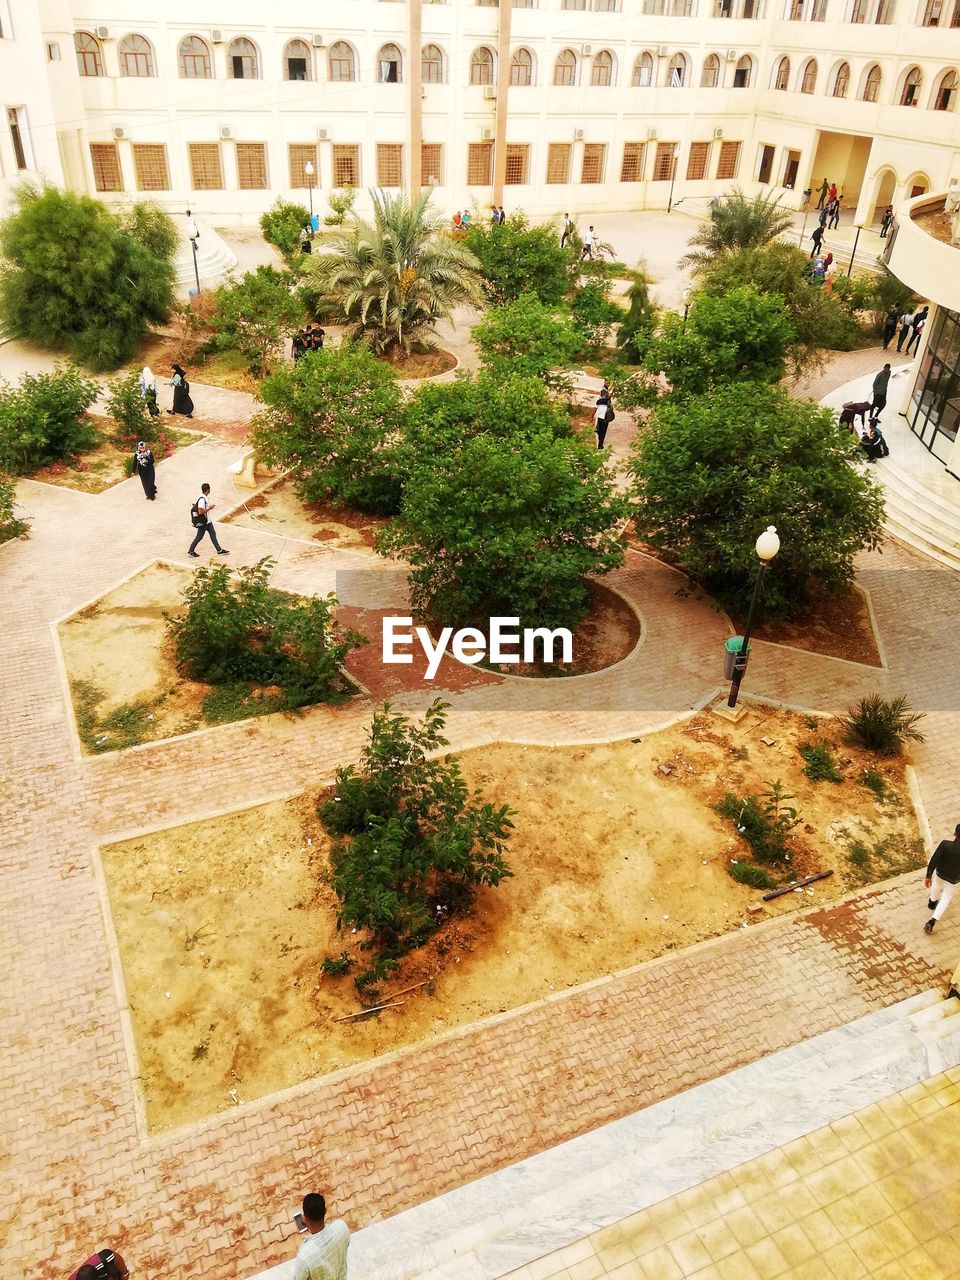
652, 135
216, 37
489, 91
322, 135
731, 55
318, 42
718, 133
226, 133
578, 135
662, 50
486, 135
119, 134
586, 50
103, 33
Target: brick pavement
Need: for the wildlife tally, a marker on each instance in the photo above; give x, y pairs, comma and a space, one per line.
391, 1133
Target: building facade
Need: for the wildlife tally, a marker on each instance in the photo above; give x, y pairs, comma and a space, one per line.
552, 105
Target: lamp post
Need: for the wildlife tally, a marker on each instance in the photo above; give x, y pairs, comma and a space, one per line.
853, 251
687, 295
309, 170
193, 231
768, 544
808, 192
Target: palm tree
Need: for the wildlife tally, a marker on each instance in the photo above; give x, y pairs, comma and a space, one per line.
396, 277
736, 223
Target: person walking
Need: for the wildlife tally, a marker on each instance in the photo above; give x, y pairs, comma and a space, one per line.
834, 220
832, 193
817, 238
886, 221
502, 216
906, 329
200, 515
148, 389
603, 415
824, 215
144, 465
589, 242
916, 330
943, 872
890, 326
880, 384
181, 393
323, 1255
567, 230
824, 188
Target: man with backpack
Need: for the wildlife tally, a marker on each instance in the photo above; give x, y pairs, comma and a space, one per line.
200, 519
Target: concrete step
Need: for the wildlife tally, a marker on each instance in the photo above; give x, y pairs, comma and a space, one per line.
908, 488
936, 1013
215, 259
922, 524
905, 534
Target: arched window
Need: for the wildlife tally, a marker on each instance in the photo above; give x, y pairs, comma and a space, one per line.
297, 62
643, 71
808, 78
601, 73
743, 72
481, 66
89, 54
565, 68
342, 63
677, 71
910, 93
136, 56
521, 68
710, 75
841, 81
945, 94
389, 65
242, 59
431, 64
781, 77
193, 57
871, 84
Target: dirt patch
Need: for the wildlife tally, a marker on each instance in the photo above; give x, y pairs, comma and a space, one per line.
838, 626
281, 511
109, 462
421, 364
223, 925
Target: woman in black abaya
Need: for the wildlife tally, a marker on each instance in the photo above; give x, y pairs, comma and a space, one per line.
144, 465
181, 393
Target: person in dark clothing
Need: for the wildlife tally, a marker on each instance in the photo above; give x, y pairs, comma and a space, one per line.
105, 1264
880, 384
890, 326
873, 443
854, 409
181, 393
203, 524
824, 188
834, 220
886, 222
143, 464
906, 328
298, 346
824, 215
943, 872
315, 336
916, 330
603, 415
817, 239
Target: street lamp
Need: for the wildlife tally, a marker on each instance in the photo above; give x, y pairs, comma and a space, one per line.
309, 170
808, 192
193, 231
853, 251
768, 544
687, 295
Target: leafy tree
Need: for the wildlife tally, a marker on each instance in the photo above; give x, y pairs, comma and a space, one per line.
253, 314
527, 338
151, 227
75, 280
10, 525
516, 258
128, 409
334, 417
640, 321
713, 471
412, 841
439, 415
282, 223
594, 314
396, 277
736, 223
506, 526
44, 419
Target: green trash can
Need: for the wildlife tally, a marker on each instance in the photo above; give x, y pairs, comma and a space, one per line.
731, 648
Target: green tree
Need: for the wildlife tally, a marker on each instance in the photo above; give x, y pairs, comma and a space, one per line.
395, 277
640, 321
594, 314
736, 223
75, 280
10, 525
412, 842
255, 313
151, 227
516, 258
506, 526
334, 418
128, 409
711, 472
281, 225
527, 338
44, 419
341, 204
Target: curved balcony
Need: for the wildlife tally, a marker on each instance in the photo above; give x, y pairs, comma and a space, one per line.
924, 254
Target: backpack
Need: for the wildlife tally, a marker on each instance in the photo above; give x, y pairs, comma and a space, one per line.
197, 518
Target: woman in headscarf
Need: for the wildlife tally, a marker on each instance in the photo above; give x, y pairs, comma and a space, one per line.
143, 464
181, 393
148, 389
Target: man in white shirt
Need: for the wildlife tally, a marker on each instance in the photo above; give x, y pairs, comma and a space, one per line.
323, 1255
589, 243
203, 524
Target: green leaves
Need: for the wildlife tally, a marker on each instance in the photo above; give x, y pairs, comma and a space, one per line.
517, 259
282, 223
736, 223
255, 312
44, 419
529, 339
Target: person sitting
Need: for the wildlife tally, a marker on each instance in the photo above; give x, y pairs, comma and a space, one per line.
306, 238
457, 221
854, 409
873, 443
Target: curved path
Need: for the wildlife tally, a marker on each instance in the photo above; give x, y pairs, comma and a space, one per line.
75, 1170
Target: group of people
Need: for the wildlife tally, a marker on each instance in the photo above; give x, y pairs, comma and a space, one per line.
868, 411
309, 338
144, 463
463, 221
910, 325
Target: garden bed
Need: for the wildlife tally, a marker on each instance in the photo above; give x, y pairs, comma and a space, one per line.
108, 463
421, 364
618, 856
279, 509
838, 626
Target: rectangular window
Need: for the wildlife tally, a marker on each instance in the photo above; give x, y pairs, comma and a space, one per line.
651, 7
593, 157
479, 164
884, 12
663, 161
697, 161
150, 166
53, 51
955, 20
252, 166
605, 6
728, 161
346, 165
299, 155
558, 162
931, 14
518, 156
765, 163
859, 11
631, 167
105, 159
389, 164
296, 68
819, 12
681, 8
206, 171
431, 164
16, 124
574, 4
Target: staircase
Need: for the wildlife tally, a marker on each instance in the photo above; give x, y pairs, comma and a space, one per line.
214, 259
920, 518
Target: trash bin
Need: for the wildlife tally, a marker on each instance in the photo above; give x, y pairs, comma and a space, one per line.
315, 222
731, 648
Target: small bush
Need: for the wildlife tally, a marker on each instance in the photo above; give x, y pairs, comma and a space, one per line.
746, 873
336, 968
875, 781
10, 525
255, 314
341, 203
882, 725
128, 409
44, 419
281, 225
764, 821
821, 765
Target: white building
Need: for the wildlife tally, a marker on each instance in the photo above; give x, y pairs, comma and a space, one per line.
552, 105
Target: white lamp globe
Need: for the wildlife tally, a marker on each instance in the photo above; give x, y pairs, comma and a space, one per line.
768, 544
308, 169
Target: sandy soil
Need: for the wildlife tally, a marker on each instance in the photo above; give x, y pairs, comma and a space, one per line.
838, 626
222, 925
279, 509
106, 465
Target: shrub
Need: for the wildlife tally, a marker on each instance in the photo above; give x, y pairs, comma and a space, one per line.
594, 315
746, 873
528, 339
253, 314
821, 765
45, 420
517, 259
874, 780
638, 325
10, 525
882, 725
341, 204
764, 821
128, 409
281, 225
